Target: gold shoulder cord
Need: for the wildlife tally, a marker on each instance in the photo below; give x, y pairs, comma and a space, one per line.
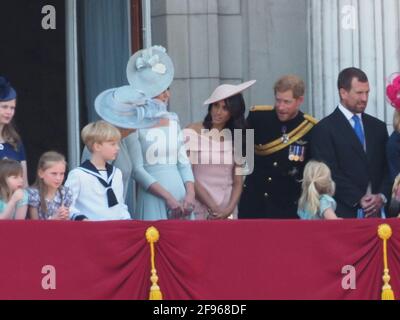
294, 135
262, 108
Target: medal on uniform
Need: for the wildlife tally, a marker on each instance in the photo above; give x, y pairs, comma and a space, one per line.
303, 151
296, 153
285, 137
291, 153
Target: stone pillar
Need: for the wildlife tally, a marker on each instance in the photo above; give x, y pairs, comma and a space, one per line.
229, 41
345, 33
276, 44
189, 30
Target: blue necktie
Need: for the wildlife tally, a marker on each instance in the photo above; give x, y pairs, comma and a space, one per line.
358, 129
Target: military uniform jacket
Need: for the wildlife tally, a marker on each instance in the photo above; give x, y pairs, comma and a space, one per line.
281, 152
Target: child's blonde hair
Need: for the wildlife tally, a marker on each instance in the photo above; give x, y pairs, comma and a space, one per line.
47, 160
8, 168
317, 180
99, 132
396, 185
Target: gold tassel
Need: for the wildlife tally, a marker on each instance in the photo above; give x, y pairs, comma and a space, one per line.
385, 232
152, 236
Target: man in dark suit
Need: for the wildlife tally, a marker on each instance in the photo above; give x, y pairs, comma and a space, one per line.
352, 143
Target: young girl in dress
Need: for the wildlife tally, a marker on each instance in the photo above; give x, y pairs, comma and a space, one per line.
318, 188
48, 198
13, 198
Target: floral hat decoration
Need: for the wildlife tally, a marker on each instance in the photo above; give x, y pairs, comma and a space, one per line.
393, 90
150, 71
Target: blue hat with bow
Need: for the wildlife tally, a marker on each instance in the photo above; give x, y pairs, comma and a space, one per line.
127, 108
150, 71
7, 92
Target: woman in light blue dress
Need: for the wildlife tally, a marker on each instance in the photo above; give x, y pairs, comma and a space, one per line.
163, 173
155, 151
160, 164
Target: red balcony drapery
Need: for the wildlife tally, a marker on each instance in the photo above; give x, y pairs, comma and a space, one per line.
258, 259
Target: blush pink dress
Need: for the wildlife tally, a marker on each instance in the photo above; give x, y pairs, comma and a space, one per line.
213, 168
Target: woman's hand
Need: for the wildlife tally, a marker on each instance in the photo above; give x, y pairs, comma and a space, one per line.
219, 213
188, 203
174, 207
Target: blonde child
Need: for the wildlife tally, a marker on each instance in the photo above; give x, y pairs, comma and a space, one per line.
97, 187
316, 201
48, 198
394, 207
13, 198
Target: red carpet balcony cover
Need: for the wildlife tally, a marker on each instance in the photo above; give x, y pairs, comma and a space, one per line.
258, 259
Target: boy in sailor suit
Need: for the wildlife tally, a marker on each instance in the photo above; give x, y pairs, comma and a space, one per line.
96, 185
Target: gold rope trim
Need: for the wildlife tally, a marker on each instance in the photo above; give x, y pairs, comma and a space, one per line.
282, 145
385, 232
311, 119
262, 108
152, 236
279, 140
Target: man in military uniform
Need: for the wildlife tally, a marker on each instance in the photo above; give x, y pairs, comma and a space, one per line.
282, 140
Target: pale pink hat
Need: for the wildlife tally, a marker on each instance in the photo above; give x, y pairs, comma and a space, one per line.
225, 91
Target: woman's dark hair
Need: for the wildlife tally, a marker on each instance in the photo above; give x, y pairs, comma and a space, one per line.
236, 107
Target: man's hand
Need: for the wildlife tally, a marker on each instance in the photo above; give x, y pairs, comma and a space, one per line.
371, 204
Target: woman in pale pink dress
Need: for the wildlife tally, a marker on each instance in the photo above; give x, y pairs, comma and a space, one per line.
211, 152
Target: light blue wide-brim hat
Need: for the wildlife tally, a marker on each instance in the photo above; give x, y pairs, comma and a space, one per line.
126, 108
150, 71
7, 92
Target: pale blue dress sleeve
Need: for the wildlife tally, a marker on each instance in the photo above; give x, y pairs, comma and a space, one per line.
326, 202
23, 201
141, 175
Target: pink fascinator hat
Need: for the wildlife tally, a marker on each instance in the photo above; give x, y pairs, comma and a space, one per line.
393, 90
